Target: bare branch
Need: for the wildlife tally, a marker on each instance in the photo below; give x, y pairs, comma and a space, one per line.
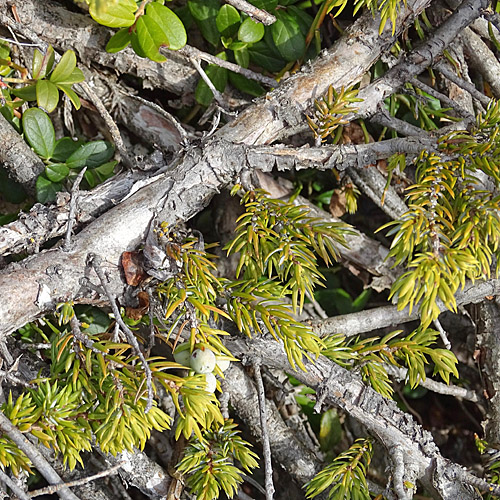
21, 494
434, 386
265, 436
49, 490
258, 14
460, 82
381, 417
41, 223
194, 53
143, 473
443, 98
482, 59
287, 450
420, 58
72, 209
112, 127
342, 157
381, 317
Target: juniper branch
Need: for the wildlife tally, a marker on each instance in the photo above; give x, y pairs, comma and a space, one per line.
95, 262
35, 456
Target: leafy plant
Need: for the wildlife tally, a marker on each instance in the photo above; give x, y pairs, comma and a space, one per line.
277, 242
208, 463
46, 81
331, 111
346, 475
146, 28
64, 156
451, 232
370, 356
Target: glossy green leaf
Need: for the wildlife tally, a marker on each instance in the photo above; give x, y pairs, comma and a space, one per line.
250, 31
4, 49
169, 23
265, 57
71, 94
64, 148
304, 20
118, 41
56, 172
205, 13
116, 14
27, 93
47, 95
246, 85
100, 174
42, 63
150, 37
76, 76
46, 190
91, 155
288, 37
242, 57
64, 69
268, 5
134, 41
39, 132
228, 20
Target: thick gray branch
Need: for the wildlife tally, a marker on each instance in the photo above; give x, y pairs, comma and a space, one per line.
420, 58
382, 418
42, 223
381, 317
286, 448
343, 64
21, 163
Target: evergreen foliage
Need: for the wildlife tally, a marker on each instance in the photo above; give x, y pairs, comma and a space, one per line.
95, 392
346, 475
451, 231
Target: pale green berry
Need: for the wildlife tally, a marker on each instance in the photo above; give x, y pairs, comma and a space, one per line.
223, 363
203, 361
211, 382
183, 357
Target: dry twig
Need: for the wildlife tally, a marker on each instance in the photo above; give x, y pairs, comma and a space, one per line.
95, 262
49, 490
258, 14
266, 449
73, 204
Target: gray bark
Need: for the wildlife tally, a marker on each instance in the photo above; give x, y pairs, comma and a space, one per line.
20, 161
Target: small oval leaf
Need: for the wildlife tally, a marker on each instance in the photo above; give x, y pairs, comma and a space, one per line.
56, 172
39, 132
150, 38
47, 95
118, 41
118, 14
250, 31
169, 23
64, 68
227, 20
